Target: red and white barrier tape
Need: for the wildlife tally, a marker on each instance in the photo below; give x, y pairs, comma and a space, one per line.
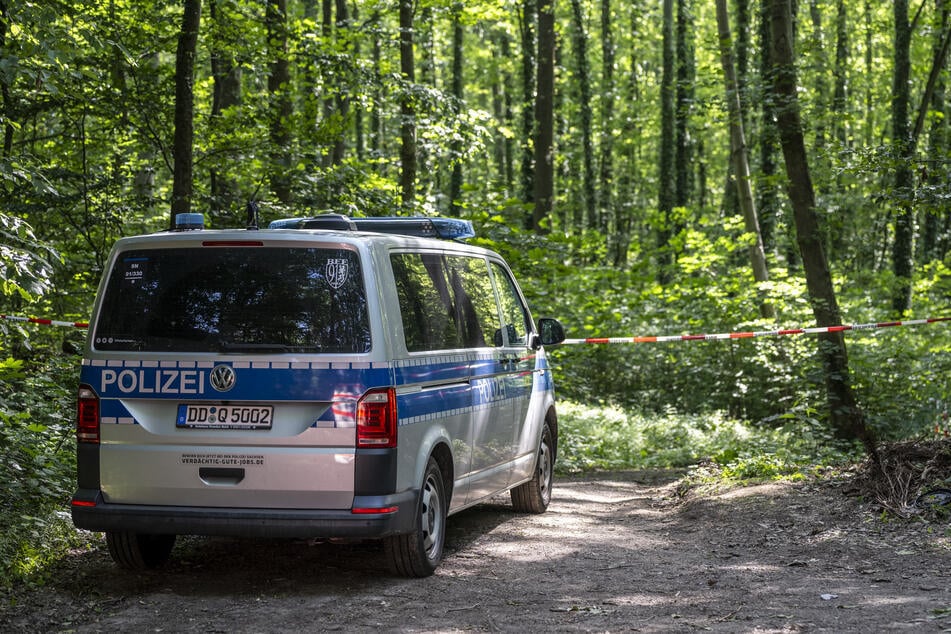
608, 340
45, 322
759, 333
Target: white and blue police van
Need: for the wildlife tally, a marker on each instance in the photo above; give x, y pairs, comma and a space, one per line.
326, 377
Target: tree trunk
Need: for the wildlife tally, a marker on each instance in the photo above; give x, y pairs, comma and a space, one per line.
903, 246
458, 41
407, 109
278, 87
184, 107
840, 75
545, 119
608, 224
527, 19
589, 204
686, 77
937, 138
846, 417
665, 197
768, 197
8, 128
741, 163
226, 93
342, 100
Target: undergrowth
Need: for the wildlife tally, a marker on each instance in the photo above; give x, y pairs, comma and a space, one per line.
607, 438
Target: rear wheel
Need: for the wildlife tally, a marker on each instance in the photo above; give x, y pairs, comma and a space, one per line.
418, 553
535, 495
138, 551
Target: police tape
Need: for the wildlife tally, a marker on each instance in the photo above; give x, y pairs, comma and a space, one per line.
609, 340
45, 322
757, 333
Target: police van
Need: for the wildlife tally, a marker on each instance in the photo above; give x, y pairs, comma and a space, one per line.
325, 377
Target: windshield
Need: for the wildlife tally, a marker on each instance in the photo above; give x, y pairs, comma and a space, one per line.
239, 300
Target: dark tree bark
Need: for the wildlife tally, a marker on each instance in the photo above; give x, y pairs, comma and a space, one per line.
588, 208
407, 109
278, 87
226, 93
902, 247
768, 201
5, 91
544, 119
840, 74
665, 198
937, 174
458, 41
608, 223
527, 20
184, 109
342, 100
845, 415
686, 77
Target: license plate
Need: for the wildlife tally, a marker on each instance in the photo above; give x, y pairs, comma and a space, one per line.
194, 416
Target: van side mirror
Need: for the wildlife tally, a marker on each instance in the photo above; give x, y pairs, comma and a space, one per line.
550, 331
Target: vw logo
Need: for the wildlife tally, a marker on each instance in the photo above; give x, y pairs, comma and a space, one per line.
222, 378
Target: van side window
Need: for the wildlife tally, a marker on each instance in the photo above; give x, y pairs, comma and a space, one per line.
445, 302
514, 315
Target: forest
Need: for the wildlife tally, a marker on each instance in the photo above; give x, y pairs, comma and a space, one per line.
647, 169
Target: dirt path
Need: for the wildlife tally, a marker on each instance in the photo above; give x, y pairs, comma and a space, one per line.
613, 553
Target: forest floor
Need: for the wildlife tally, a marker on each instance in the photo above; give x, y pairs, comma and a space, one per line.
622, 551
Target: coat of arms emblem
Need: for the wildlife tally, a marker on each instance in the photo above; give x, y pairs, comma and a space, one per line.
338, 269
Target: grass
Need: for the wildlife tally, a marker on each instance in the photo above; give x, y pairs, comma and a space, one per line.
592, 438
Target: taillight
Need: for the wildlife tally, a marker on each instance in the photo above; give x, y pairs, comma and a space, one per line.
376, 419
87, 415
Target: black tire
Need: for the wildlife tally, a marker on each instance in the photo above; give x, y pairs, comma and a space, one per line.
137, 551
535, 495
418, 553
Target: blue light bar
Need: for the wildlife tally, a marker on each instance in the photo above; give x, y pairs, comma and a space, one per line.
189, 222
419, 226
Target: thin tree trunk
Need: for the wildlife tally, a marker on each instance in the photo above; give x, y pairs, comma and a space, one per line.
407, 109
184, 109
226, 93
937, 138
8, 127
544, 119
665, 197
278, 87
458, 81
527, 20
903, 246
342, 100
741, 163
768, 197
608, 224
580, 40
846, 417
684, 97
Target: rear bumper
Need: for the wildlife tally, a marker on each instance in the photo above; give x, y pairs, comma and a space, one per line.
90, 512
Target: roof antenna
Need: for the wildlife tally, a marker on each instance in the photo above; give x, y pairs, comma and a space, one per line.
252, 210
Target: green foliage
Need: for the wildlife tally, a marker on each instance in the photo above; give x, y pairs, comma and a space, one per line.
37, 461
607, 438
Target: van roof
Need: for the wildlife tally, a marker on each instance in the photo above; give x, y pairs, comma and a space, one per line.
418, 226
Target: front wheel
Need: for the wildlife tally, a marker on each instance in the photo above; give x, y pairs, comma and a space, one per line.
137, 551
418, 553
535, 495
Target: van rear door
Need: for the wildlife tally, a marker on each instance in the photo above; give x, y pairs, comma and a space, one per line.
228, 373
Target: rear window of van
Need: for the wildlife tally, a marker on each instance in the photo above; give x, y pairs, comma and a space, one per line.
240, 300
